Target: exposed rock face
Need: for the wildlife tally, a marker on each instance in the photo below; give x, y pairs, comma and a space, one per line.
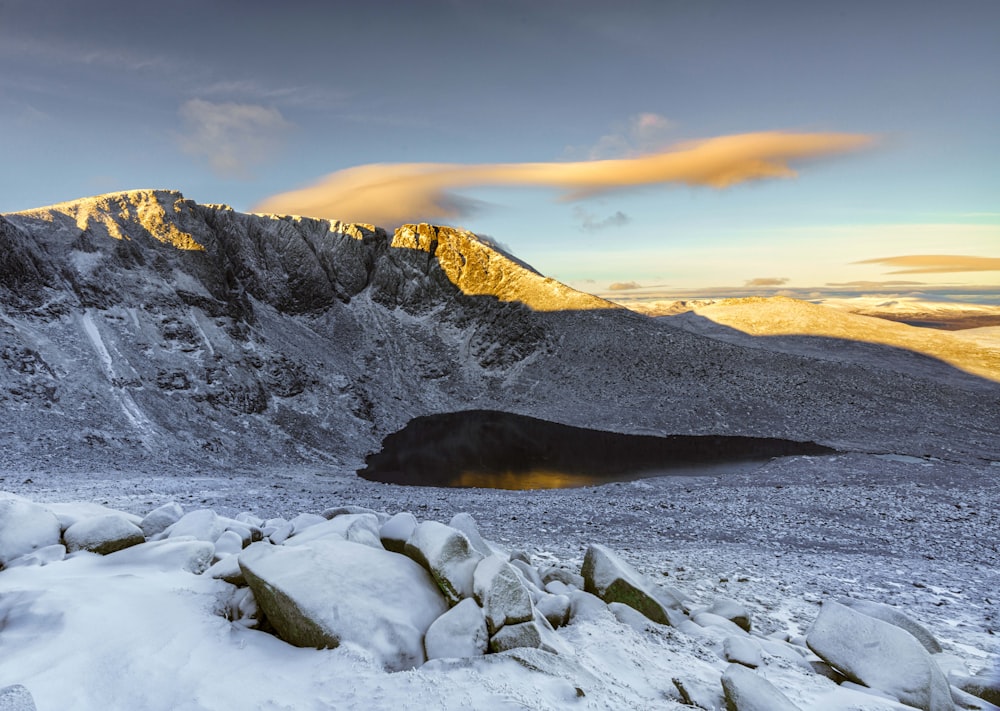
143, 328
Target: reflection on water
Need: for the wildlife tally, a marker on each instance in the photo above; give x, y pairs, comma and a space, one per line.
498, 450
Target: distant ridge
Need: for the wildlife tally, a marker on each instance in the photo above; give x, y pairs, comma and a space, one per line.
141, 329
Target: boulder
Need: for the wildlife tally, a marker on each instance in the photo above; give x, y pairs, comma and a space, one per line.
395, 532
344, 510
228, 569
742, 650
566, 577
985, 684
330, 591
16, 698
447, 554
717, 622
732, 611
613, 580
358, 528
103, 534
159, 519
700, 693
501, 593
466, 524
536, 633
304, 521
584, 606
25, 527
555, 609
228, 544
74, 511
42, 556
893, 616
167, 555
202, 525
746, 690
879, 655
460, 632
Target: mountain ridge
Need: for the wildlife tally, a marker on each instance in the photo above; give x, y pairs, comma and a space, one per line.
203, 336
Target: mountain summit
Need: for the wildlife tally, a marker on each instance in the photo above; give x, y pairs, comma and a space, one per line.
143, 328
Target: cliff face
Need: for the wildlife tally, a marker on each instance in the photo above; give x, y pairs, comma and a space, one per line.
141, 329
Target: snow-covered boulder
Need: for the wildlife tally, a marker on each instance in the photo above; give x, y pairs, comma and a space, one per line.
331, 591
613, 580
459, 632
304, 521
893, 616
159, 519
395, 532
227, 568
42, 556
502, 594
167, 555
732, 611
25, 527
467, 525
70, 512
202, 525
566, 577
228, 544
360, 528
742, 650
985, 684
879, 655
103, 534
555, 609
16, 698
536, 633
747, 690
447, 554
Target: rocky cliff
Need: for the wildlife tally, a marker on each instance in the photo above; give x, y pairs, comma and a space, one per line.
141, 329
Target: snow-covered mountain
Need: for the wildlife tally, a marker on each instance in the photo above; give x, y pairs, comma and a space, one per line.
141, 327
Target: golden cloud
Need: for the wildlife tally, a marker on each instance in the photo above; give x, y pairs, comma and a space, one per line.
937, 263
766, 281
394, 193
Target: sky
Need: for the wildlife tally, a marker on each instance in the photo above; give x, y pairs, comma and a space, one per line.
662, 147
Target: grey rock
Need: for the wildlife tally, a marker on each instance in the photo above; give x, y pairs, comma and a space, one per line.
157, 520
360, 528
202, 525
535, 633
459, 632
747, 690
329, 591
467, 525
700, 693
742, 650
613, 580
103, 535
449, 557
564, 576
985, 684
894, 616
555, 609
501, 593
879, 655
16, 698
397, 530
227, 569
25, 527
188, 554
732, 611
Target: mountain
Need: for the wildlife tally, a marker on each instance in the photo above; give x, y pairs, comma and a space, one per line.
141, 330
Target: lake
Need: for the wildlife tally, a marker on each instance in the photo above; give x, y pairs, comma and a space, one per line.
500, 450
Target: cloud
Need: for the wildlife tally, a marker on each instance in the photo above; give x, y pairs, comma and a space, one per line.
766, 281
590, 223
390, 194
642, 133
624, 286
861, 284
936, 263
231, 137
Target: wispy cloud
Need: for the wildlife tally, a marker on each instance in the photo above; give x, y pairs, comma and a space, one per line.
641, 133
936, 263
624, 286
231, 137
862, 284
766, 281
391, 194
589, 222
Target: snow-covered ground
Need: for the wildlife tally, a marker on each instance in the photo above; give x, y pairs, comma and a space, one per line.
917, 534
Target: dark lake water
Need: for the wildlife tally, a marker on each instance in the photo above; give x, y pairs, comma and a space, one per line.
488, 449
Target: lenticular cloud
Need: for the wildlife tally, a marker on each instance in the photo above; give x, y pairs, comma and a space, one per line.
393, 193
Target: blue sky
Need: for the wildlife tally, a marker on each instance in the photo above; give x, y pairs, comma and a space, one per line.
239, 101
